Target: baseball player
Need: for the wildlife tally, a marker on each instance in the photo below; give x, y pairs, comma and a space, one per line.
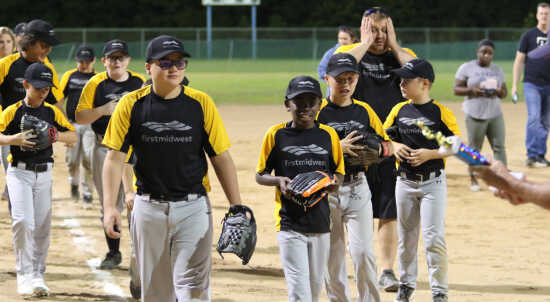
378, 53
301, 145
352, 206
421, 189
170, 129
96, 104
72, 83
29, 178
36, 43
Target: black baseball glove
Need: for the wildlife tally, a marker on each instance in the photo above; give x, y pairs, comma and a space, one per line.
375, 149
46, 134
238, 233
307, 189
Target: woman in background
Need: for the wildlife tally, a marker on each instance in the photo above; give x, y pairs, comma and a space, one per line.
345, 37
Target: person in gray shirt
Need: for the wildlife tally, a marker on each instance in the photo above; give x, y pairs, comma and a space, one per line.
483, 86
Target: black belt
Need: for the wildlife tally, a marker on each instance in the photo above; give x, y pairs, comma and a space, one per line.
169, 198
35, 167
420, 176
349, 177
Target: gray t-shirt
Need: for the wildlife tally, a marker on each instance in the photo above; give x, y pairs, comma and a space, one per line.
490, 77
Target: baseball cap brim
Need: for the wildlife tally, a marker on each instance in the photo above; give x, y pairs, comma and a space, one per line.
111, 51
84, 58
302, 91
38, 84
540, 52
404, 73
52, 41
338, 71
163, 54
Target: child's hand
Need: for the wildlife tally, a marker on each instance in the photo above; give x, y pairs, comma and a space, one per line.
419, 156
283, 182
401, 151
347, 143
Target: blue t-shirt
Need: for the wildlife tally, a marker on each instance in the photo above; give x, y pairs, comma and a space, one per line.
536, 70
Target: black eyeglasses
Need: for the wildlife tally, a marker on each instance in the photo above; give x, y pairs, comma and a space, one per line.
167, 64
374, 10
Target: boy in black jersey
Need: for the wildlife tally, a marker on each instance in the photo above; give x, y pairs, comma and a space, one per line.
29, 179
72, 83
421, 189
99, 97
351, 207
301, 145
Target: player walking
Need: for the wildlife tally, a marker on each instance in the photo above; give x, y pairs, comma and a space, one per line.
421, 189
29, 178
72, 83
170, 128
299, 146
351, 206
97, 102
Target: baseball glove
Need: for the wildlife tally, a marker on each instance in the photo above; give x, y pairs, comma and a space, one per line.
375, 149
46, 134
307, 189
238, 233
393, 133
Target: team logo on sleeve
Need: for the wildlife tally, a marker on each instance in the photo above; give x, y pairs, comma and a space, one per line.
300, 150
173, 125
116, 96
412, 121
346, 125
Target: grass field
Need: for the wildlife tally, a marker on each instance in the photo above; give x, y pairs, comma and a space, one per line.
265, 81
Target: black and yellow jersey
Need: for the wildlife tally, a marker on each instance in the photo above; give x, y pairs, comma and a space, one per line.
289, 151
377, 85
10, 121
101, 89
169, 140
356, 116
12, 74
71, 86
434, 115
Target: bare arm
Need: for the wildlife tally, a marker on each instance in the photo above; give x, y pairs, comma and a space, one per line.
19, 139
89, 116
67, 137
227, 175
367, 38
460, 88
400, 54
274, 181
128, 184
112, 176
519, 65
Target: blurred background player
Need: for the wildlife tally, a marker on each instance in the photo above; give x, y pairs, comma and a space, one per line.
483, 86
378, 53
351, 206
171, 129
36, 43
19, 30
97, 102
72, 83
536, 88
303, 236
29, 179
421, 189
7, 42
346, 36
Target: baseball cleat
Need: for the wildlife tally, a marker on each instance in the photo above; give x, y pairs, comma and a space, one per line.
39, 288
112, 260
440, 298
135, 290
74, 192
388, 282
404, 294
86, 202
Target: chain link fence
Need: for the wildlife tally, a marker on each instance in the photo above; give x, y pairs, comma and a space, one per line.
291, 43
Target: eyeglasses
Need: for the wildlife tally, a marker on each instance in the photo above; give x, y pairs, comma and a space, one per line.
345, 80
116, 58
374, 10
167, 64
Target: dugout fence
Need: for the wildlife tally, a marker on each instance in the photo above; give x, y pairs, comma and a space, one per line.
291, 43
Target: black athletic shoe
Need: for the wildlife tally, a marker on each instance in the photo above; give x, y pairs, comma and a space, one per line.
542, 162
112, 260
404, 294
135, 290
440, 298
388, 282
74, 192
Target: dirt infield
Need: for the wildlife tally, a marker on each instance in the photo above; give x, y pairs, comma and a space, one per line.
497, 252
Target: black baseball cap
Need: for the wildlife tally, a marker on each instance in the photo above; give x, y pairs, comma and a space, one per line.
114, 46
19, 28
303, 84
84, 53
41, 30
340, 63
417, 68
39, 76
162, 46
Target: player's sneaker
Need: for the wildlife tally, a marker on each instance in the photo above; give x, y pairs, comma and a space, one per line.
112, 260
404, 294
542, 162
87, 201
388, 282
74, 192
474, 185
440, 298
24, 286
135, 290
39, 288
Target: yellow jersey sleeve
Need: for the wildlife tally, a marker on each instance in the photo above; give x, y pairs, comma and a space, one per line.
375, 122
138, 75
6, 117
345, 48
448, 118
65, 81
5, 64
393, 114
60, 121
267, 146
56, 91
337, 154
86, 101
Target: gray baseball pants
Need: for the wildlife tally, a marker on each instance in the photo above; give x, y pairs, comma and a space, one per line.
304, 257
98, 158
81, 152
173, 242
31, 213
494, 129
352, 208
422, 204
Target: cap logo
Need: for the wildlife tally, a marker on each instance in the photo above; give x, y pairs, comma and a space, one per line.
308, 84
84, 52
46, 75
408, 66
344, 61
116, 44
51, 32
170, 44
